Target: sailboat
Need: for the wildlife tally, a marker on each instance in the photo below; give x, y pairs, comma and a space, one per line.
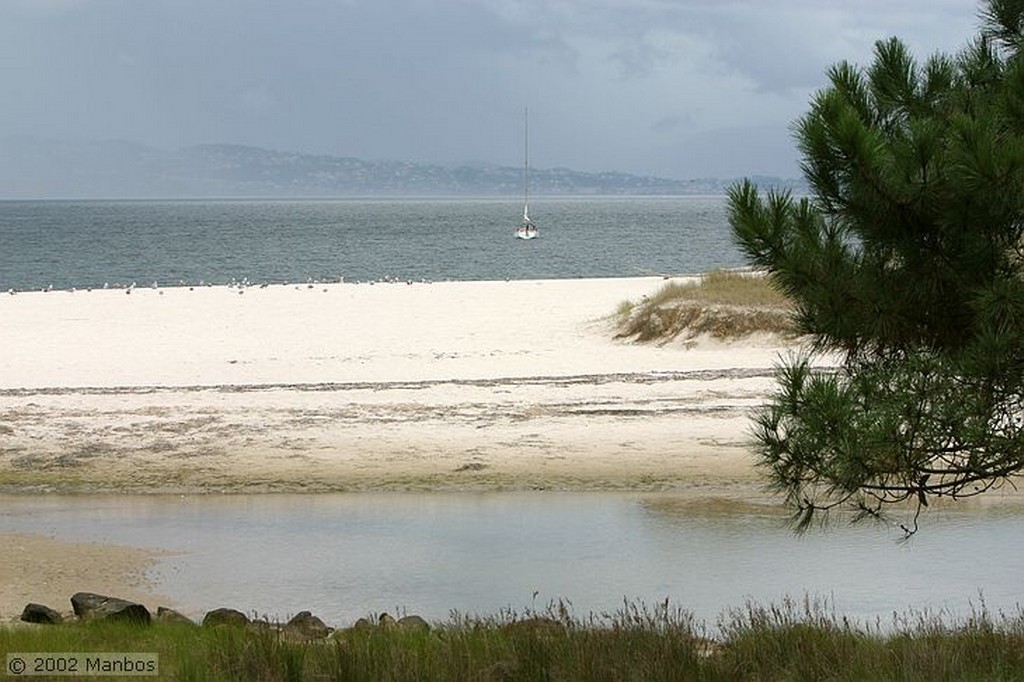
527, 228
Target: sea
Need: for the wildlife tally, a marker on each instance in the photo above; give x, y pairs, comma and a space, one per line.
86, 244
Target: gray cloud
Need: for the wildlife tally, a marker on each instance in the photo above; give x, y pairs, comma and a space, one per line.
635, 85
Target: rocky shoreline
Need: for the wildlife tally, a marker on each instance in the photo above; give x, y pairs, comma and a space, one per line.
87, 607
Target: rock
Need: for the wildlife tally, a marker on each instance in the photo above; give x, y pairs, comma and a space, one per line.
361, 626
85, 602
537, 626
225, 617
121, 609
38, 613
413, 624
167, 615
89, 606
305, 627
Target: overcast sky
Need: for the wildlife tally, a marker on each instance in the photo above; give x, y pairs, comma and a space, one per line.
677, 88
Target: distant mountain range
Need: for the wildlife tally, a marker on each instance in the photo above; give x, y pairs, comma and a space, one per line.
38, 168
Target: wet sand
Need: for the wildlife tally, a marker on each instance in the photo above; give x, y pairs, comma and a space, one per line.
43, 570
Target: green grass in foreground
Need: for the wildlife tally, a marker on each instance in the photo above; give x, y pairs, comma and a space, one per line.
724, 304
789, 642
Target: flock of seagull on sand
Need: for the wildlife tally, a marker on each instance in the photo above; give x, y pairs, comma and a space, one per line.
241, 285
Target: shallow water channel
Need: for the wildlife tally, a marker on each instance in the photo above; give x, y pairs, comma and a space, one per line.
343, 556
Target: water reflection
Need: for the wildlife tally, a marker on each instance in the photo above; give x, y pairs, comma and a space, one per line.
347, 555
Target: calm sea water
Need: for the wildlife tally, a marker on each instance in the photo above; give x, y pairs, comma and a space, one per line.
91, 243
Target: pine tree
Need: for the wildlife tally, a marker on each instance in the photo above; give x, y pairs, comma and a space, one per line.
906, 262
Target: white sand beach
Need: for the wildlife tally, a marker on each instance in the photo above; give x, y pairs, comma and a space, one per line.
390, 386
448, 385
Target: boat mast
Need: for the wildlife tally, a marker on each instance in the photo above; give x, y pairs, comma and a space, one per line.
526, 164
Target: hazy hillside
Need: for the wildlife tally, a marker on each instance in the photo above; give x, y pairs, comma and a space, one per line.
35, 168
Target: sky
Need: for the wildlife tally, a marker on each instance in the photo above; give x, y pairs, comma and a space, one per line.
681, 89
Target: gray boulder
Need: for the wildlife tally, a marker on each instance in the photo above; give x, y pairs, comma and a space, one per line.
90, 606
38, 613
224, 616
305, 627
362, 625
168, 615
413, 624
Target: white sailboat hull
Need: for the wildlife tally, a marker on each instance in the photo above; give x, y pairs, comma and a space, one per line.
527, 232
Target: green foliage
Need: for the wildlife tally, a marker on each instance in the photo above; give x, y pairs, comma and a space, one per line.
908, 262
791, 641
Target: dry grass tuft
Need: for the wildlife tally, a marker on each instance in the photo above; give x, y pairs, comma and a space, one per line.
723, 304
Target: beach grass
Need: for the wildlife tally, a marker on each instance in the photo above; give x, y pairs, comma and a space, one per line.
791, 641
723, 304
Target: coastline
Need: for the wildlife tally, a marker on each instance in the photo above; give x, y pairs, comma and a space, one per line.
392, 386
455, 386
476, 386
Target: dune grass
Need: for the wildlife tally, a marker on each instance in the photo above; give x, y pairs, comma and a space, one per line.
792, 641
724, 304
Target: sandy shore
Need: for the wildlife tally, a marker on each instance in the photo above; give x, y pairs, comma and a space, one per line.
454, 385
44, 570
